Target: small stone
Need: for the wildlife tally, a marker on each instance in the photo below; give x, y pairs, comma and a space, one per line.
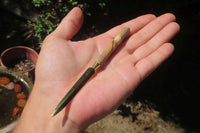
16, 111
21, 96
15, 80
21, 103
10, 86
4, 80
18, 88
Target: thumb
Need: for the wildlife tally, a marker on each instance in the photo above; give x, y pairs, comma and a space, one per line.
70, 24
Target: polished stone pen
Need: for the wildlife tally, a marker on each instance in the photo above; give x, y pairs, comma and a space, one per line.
91, 70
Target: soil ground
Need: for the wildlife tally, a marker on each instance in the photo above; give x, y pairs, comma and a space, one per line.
140, 119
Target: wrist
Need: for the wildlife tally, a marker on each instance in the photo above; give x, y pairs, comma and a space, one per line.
35, 114
36, 117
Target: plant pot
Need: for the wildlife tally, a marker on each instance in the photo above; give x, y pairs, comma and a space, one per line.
13, 54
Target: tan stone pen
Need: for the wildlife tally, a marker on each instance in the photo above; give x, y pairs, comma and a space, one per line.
91, 70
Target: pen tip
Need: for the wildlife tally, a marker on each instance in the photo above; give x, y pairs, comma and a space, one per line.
53, 114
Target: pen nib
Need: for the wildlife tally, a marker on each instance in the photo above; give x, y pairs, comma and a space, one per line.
53, 114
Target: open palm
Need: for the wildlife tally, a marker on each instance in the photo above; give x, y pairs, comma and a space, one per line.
61, 62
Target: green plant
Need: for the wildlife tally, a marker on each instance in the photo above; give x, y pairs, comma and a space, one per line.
73, 2
102, 4
44, 25
39, 3
52, 11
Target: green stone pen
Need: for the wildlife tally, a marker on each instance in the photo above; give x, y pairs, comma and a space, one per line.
91, 70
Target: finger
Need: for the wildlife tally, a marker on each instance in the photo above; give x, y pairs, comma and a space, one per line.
145, 66
134, 25
160, 38
148, 31
71, 24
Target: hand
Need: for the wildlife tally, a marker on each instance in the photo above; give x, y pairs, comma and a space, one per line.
61, 62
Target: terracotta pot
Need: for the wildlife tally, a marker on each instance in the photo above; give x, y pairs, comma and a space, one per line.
16, 53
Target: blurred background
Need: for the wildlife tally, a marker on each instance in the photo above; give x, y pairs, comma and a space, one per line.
173, 89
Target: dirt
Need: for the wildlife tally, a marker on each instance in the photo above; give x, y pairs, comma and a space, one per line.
21, 65
138, 118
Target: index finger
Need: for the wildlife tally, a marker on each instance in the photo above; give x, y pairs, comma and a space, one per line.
134, 24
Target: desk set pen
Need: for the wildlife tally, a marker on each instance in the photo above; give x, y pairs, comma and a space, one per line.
91, 70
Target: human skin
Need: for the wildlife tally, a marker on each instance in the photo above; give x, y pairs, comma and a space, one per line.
61, 62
